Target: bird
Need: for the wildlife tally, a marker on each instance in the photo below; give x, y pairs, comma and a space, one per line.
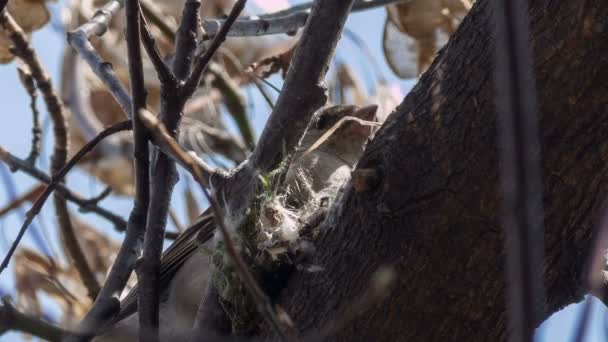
319, 161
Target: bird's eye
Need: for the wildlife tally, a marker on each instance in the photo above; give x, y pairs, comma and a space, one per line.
321, 122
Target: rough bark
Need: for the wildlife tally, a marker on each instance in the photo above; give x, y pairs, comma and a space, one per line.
434, 213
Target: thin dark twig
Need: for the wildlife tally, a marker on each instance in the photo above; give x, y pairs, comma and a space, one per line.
22, 165
165, 75
262, 301
129, 250
55, 182
202, 61
142, 199
28, 83
102, 195
264, 92
163, 178
519, 168
57, 113
13, 319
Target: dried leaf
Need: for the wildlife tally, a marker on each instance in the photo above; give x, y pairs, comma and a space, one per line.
416, 30
31, 15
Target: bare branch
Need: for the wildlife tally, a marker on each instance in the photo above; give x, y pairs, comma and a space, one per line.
165, 75
102, 195
185, 41
258, 27
142, 161
131, 246
28, 83
58, 116
203, 60
13, 319
85, 204
262, 301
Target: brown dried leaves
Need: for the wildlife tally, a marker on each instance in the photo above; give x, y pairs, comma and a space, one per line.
414, 32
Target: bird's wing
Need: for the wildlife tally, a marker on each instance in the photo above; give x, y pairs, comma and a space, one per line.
173, 258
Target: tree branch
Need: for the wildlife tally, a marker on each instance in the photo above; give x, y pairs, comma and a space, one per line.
16, 163
132, 244
28, 83
203, 60
58, 116
165, 75
13, 319
185, 41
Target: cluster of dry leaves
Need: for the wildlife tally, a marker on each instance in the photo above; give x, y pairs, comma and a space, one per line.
413, 32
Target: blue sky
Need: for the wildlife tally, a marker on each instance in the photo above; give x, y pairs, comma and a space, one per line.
15, 136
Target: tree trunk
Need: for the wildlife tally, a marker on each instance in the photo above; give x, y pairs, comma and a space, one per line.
434, 212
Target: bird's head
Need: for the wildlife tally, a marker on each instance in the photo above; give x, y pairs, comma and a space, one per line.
341, 130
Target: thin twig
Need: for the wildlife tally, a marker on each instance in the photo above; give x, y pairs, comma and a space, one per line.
142, 161
165, 75
13, 319
203, 60
28, 83
262, 301
22, 165
164, 177
59, 117
55, 182
131, 246
102, 195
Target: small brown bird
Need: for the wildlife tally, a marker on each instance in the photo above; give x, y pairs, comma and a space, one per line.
321, 160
